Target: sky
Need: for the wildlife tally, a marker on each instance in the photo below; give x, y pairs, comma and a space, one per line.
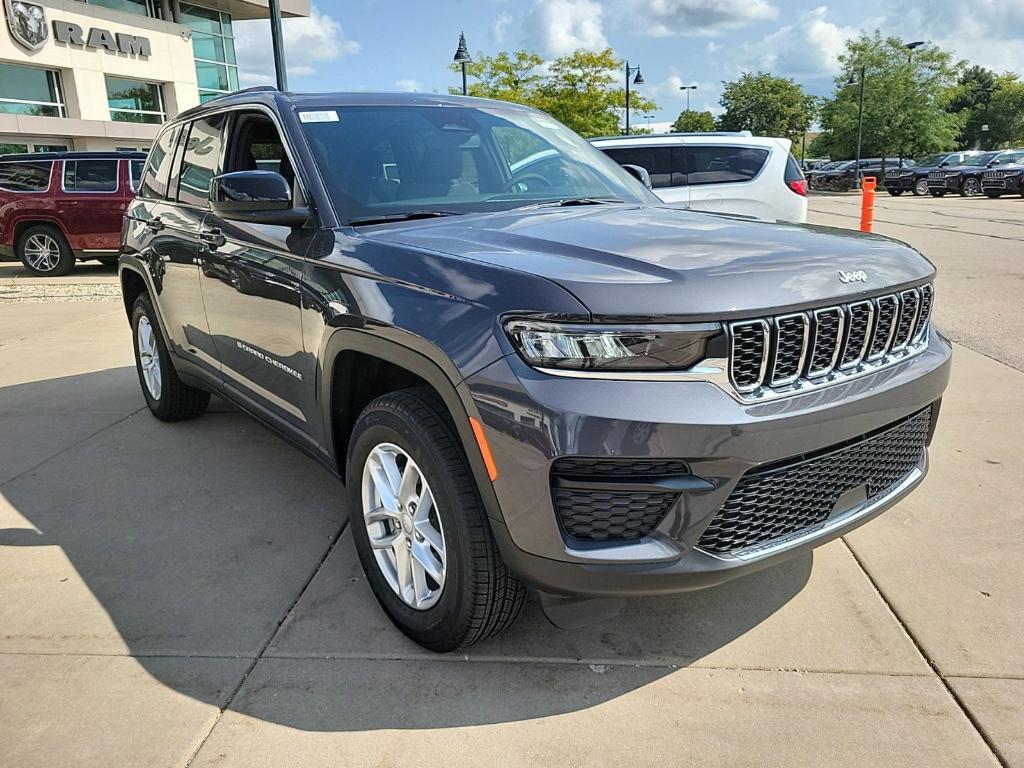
407, 45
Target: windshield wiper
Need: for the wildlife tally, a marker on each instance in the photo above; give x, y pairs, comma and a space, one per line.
568, 201
392, 217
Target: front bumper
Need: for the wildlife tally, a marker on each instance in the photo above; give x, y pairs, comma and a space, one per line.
946, 183
901, 183
1007, 185
531, 419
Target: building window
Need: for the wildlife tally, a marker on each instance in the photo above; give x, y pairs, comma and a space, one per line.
213, 46
19, 145
137, 7
30, 91
133, 101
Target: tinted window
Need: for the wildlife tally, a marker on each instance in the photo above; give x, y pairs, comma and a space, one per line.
722, 164
25, 177
135, 172
90, 175
154, 180
659, 162
199, 163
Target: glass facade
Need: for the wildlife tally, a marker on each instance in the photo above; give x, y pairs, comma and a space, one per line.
30, 91
134, 101
137, 7
213, 46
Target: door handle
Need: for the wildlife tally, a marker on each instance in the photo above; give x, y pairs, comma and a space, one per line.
155, 224
213, 238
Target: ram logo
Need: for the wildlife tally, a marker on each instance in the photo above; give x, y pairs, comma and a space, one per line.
27, 22
853, 276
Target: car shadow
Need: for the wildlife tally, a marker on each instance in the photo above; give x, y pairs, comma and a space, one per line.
200, 538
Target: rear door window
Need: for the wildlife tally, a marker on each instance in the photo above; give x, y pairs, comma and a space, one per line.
90, 175
664, 164
158, 166
200, 161
720, 164
25, 177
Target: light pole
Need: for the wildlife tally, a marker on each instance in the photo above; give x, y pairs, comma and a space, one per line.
860, 124
687, 88
462, 58
638, 80
910, 61
277, 45
989, 90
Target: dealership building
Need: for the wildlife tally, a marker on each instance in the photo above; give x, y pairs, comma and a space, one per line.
104, 74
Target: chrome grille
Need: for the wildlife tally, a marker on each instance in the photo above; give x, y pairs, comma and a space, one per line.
787, 352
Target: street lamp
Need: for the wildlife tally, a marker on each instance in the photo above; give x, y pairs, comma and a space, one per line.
860, 121
687, 88
462, 58
638, 80
989, 90
910, 58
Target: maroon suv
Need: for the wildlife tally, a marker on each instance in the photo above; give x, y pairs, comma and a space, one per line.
59, 207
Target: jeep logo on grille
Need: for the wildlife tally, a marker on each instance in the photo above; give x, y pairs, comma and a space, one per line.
853, 276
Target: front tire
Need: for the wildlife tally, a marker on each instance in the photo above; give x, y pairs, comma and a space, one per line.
420, 528
970, 188
44, 251
938, 193
168, 397
920, 188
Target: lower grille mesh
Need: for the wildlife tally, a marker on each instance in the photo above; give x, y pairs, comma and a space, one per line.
592, 515
776, 502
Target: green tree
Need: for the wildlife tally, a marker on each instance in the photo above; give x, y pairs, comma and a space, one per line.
692, 121
905, 100
580, 89
968, 100
1005, 113
766, 105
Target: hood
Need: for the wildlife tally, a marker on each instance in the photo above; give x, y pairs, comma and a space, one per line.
637, 261
964, 169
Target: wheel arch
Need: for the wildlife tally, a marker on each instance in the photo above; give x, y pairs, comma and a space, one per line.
359, 366
18, 226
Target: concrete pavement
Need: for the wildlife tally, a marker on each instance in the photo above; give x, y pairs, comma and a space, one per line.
189, 595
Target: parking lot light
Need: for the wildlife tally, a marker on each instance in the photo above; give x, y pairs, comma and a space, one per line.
638, 80
462, 58
860, 121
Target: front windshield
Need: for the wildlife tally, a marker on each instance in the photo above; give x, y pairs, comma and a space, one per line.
1009, 158
983, 159
389, 161
931, 160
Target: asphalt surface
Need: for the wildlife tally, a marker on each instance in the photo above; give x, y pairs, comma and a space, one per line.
188, 595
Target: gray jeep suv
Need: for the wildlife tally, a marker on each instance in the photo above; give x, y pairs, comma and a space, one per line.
530, 375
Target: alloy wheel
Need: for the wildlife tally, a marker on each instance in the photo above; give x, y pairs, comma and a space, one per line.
149, 357
921, 187
971, 187
42, 252
403, 526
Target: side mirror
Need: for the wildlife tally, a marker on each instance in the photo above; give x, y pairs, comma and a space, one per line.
640, 174
944, 163
257, 197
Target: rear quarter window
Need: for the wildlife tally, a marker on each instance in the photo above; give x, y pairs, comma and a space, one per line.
25, 176
723, 164
158, 165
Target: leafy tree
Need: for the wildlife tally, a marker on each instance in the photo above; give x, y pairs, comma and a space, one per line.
1005, 113
766, 105
905, 100
580, 89
969, 100
692, 121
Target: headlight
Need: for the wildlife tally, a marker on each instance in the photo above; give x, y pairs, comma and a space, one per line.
618, 348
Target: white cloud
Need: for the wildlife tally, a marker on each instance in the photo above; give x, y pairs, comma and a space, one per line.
806, 49
986, 32
686, 18
560, 27
309, 42
408, 84
499, 29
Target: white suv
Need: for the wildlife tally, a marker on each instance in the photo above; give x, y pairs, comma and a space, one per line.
718, 172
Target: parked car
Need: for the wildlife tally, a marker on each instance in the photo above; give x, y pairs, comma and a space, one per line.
57, 208
1007, 179
816, 177
966, 177
717, 172
915, 178
544, 379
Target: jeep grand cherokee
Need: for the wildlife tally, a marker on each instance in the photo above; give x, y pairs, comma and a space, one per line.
538, 379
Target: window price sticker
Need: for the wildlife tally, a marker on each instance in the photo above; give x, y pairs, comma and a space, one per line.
322, 116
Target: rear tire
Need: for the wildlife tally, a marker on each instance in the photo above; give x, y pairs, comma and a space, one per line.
895, 192
463, 593
168, 397
44, 251
970, 188
108, 261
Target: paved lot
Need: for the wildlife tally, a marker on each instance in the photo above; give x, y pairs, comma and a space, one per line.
188, 594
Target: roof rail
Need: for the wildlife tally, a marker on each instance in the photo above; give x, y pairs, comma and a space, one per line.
669, 134
253, 89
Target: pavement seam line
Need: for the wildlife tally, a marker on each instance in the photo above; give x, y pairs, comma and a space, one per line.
266, 644
982, 733
64, 450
